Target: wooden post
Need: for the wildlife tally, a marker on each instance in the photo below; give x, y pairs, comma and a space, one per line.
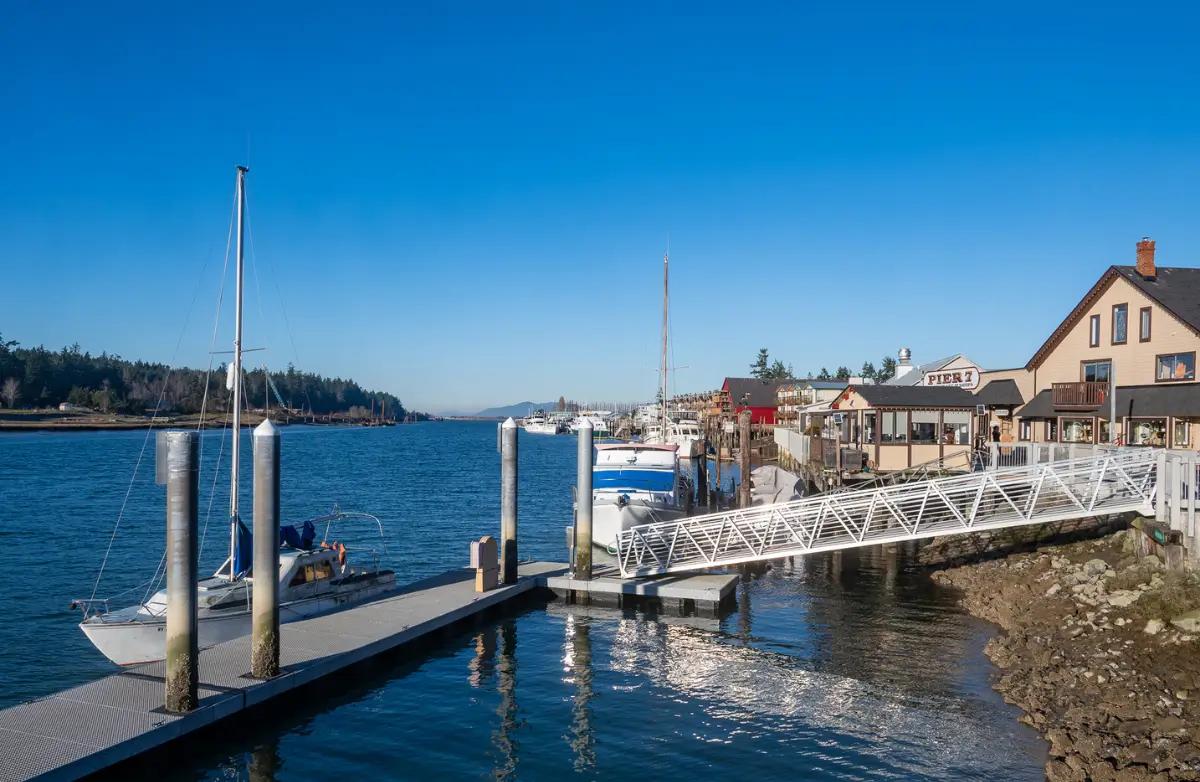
744, 435
720, 435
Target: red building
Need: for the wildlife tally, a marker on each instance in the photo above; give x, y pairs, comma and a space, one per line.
750, 393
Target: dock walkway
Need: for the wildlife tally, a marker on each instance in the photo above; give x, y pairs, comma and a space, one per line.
94, 726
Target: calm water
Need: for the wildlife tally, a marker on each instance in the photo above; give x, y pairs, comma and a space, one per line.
857, 671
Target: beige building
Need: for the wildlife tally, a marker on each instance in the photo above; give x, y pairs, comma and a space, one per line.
1138, 330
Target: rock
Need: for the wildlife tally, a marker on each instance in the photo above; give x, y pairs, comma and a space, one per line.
1153, 626
1095, 567
1170, 725
1152, 563
1053, 590
1189, 622
1122, 598
1181, 695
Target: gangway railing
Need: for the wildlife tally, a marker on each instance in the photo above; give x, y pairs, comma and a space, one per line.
1101, 483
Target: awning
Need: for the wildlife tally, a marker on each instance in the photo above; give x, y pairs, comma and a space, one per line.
1181, 401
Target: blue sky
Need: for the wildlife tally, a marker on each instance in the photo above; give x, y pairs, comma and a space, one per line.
467, 203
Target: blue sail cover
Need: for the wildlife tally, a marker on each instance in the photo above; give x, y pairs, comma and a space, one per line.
243, 552
642, 480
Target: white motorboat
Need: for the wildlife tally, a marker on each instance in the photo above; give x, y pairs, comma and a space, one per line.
599, 419
315, 578
538, 422
684, 433
635, 483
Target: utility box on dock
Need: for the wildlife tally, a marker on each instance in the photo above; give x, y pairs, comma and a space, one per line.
485, 558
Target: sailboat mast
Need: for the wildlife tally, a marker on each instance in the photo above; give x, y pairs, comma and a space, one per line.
236, 369
663, 370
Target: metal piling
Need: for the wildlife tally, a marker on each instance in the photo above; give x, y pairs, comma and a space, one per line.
583, 500
264, 642
508, 503
183, 651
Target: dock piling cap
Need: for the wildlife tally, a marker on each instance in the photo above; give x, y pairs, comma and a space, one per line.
586, 424
510, 424
266, 429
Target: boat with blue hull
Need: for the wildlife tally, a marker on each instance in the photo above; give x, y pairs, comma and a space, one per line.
632, 484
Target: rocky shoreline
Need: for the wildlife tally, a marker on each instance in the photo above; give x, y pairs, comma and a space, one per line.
1101, 650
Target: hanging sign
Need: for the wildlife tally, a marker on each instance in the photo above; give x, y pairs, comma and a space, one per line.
961, 378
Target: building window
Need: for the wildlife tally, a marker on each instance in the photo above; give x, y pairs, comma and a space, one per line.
1051, 430
1026, 430
1120, 327
1176, 366
1076, 430
1094, 332
894, 427
1180, 429
869, 428
956, 427
1097, 371
1144, 318
1105, 431
924, 426
1148, 431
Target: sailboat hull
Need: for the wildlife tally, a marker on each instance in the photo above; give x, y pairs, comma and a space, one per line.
142, 639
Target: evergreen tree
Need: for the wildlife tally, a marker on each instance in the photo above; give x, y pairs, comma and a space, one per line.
778, 371
887, 369
843, 373
761, 368
868, 370
824, 374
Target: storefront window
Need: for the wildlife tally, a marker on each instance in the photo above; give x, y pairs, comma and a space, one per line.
1105, 431
1180, 430
1177, 366
869, 428
1026, 431
1076, 430
894, 427
924, 426
1096, 371
1052, 430
1148, 431
956, 428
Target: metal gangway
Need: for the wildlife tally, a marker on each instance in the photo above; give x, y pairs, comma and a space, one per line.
1100, 483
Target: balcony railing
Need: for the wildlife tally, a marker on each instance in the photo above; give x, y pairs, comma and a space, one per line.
1087, 394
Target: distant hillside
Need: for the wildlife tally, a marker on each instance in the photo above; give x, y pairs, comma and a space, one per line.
519, 410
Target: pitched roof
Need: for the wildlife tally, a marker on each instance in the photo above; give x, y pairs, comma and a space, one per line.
913, 378
999, 393
1175, 289
825, 385
1157, 400
761, 392
916, 396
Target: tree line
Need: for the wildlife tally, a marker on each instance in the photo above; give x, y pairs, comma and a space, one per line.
41, 378
765, 369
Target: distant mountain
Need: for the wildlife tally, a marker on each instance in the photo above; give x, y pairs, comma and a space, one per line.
519, 410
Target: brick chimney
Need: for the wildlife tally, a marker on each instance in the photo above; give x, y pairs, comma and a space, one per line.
1145, 258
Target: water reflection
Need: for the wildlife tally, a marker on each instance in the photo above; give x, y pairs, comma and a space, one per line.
504, 739
264, 762
578, 666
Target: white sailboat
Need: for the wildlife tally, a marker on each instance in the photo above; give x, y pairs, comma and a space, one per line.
675, 430
314, 578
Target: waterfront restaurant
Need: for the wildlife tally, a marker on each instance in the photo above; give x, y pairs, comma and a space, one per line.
1136, 330
900, 426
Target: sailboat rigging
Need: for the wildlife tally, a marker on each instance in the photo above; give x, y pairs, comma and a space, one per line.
314, 578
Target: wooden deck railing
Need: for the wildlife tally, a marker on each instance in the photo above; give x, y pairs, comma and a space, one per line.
1086, 394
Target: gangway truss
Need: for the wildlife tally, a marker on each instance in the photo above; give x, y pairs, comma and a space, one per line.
1108, 482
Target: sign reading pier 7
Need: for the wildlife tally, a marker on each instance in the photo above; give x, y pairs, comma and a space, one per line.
965, 377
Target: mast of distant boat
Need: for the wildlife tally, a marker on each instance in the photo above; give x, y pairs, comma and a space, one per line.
236, 372
663, 370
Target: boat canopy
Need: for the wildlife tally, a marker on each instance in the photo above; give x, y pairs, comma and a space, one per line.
289, 536
640, 480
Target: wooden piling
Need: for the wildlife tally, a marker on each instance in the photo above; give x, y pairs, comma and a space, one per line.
744, 434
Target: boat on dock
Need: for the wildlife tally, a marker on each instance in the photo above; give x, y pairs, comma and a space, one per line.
632, 484
314, 578
684, 433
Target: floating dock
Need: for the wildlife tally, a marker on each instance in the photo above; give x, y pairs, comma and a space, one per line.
95, 726
703, 593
